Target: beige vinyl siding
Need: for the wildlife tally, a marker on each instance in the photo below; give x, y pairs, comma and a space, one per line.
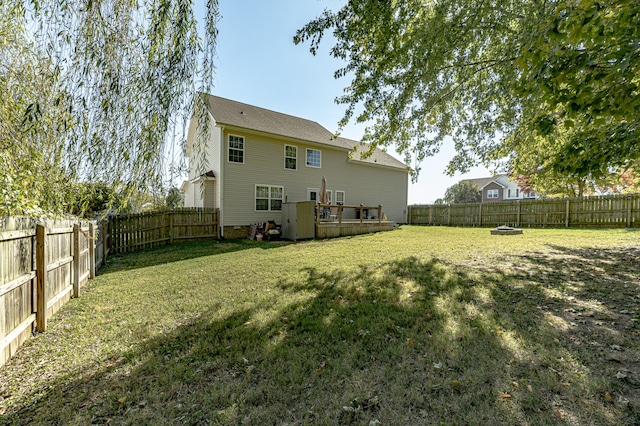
189, 195
215, 162
209, 194
366, 184
194, 192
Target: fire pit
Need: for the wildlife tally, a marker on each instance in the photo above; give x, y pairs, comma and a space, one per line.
506, 230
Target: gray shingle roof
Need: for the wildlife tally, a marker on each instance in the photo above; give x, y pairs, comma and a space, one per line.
482, 182
238, 114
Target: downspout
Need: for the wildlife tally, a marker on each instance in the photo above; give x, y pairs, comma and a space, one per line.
221, 179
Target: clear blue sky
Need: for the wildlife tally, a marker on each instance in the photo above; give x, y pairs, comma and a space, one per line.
257, 63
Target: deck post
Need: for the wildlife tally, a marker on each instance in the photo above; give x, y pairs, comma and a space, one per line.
379, 213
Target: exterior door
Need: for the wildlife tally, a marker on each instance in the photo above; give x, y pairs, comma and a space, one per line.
313, 194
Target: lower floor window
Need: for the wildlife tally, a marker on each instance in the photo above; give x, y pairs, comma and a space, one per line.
269, 197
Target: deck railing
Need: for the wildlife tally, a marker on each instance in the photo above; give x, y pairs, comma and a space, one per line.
339, 209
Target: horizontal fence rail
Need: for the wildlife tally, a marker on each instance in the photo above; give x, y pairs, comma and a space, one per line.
128, 233
613, 211
43, 264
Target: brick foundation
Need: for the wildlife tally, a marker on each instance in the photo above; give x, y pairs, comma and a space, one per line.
232, 232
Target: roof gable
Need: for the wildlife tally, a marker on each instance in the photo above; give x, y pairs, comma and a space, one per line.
238, 114
482, 182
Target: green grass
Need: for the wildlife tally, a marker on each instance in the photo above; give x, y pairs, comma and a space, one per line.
415, 326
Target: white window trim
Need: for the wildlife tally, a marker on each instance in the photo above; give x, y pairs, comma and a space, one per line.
285, 156
344, 197
306, 152
493, 191
244, 152
255, 197
310, 190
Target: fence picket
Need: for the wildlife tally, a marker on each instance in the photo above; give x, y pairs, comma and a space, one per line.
614, 211
42, 265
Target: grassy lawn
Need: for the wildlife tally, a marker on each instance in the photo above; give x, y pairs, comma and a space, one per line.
414, 326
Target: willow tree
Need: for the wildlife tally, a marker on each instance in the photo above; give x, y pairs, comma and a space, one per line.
495, 75
96, 91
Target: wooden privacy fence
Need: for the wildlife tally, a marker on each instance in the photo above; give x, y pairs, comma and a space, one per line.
126, 233
43, 264
615, 211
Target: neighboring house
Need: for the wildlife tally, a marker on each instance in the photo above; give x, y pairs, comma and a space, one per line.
500, 188
258, 159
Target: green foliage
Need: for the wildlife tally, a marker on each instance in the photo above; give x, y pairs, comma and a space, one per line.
93, 198
493, 75
463, 192
174, 198
96, 92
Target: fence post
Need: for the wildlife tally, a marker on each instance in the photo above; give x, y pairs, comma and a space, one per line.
629, 217
41, 277
104, 241
171, 227
92, 251
76, 260
518, 214
449, 215
430, 215
566, 222
480, 214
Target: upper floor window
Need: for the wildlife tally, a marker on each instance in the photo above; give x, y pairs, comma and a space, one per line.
493, 193
236, 149
290, 157
513, 193
314, 157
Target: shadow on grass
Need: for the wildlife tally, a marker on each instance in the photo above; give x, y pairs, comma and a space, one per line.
183, 251
406, 342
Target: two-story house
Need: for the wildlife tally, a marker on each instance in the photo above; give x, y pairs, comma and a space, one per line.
500, 188
256, 159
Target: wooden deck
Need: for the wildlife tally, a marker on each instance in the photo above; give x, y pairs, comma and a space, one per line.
332, 229
331, 221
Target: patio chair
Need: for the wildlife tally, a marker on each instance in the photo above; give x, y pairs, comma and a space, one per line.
333, 213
